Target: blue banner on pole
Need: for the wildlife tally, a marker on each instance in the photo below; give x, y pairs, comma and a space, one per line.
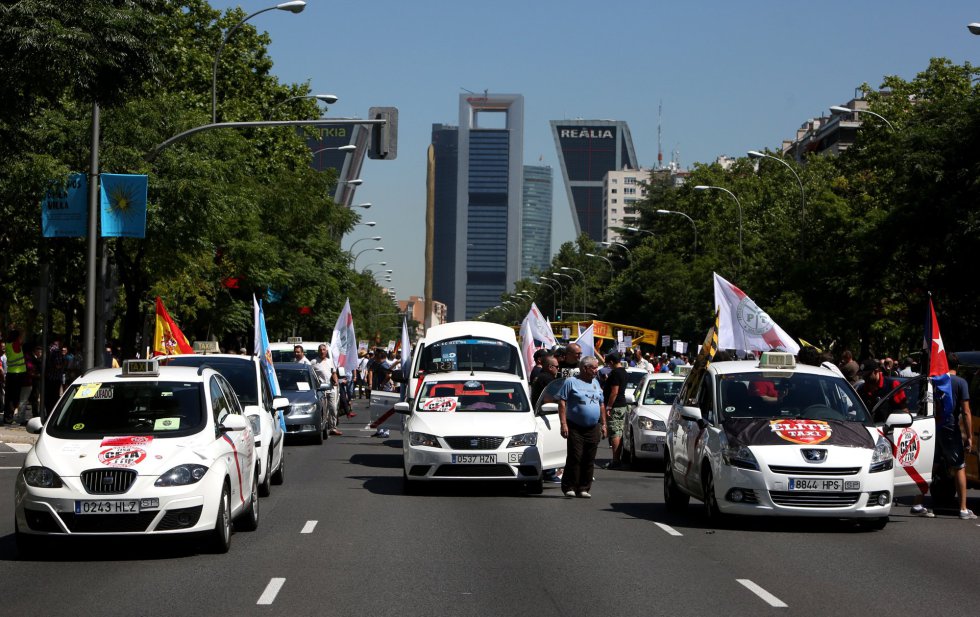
64, 209
123, 205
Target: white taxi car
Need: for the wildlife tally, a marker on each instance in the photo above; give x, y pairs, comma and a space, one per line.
472, 425
140, 450
645, 429
771, 437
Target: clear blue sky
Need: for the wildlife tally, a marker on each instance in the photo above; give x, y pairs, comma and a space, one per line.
733, 76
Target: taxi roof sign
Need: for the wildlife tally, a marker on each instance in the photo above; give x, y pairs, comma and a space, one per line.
777, 360
206, 347
294, 340
149, 367
683, 370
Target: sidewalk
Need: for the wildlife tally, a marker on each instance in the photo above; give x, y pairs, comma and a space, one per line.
16, 434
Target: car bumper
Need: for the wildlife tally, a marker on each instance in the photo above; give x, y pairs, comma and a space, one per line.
162, 510
300, 424
517, 464
649, 444
750, 492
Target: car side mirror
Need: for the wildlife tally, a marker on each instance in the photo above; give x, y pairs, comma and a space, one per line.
324, 387
691, 413
280, 402
548, 408
898, 420
233, 422
402, 407
630, 399
34, 426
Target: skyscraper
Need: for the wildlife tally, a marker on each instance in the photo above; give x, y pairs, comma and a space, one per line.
587, 150
488, 200
442, 235
536, 219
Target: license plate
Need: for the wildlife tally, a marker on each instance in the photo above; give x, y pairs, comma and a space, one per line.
107, 506
659, 439
477, 459
815, 484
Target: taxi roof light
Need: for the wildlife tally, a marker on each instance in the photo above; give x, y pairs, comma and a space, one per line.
205, 347
682, 370
294, 340
777, 360
149, 367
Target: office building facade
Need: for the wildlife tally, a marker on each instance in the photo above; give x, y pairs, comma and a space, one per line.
621, 191
442, 236
587, 151
536, 219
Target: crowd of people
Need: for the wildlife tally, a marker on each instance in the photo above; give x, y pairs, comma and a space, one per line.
30, 381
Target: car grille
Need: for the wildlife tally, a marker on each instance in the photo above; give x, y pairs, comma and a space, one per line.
815, 471
475, 471
107, 523
108, 481
474, 443
814, 500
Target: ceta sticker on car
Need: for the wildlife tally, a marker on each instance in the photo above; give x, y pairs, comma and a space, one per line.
907, 447
439, 403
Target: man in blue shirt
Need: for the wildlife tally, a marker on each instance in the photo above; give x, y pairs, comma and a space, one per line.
583, 424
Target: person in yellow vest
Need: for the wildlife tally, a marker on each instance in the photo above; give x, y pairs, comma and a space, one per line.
16, 374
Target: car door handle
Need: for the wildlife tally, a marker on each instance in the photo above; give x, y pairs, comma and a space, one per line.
926, 434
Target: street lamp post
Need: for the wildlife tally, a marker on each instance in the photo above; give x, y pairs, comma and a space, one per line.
974, 28
550, 288
622, 246
571, 285
693, 226
561, 293
367, 223
755, 154
704, 187
584, 290
347, 148
351, 248
612, 268
329, 99
637, 230
373, 248
294, 6
847, 110
365, 205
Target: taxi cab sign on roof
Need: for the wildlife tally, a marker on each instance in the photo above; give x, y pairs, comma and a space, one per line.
294, 340
206, 347
777, 360
141, 368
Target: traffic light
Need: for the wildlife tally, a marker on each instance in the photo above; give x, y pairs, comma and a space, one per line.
557, 314
384, 137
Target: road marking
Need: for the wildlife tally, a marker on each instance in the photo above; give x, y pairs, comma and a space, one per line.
271, 591
668, 529
308, 527
9, 467
770, 599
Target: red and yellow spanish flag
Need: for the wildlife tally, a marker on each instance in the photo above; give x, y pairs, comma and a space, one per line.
168, 340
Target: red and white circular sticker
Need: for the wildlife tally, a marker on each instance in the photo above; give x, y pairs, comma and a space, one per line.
122, 456
806, 432
908, 447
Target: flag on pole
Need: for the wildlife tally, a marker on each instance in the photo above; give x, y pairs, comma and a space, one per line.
168, 340
406, 345
123, 205
938, 369
262, 347
527, 347
540, 329
744, 326
586, 341
343, 342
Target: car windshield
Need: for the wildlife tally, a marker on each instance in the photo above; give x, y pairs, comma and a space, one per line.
294, 380
240, 372
662, 391
633, 378
473, 353
472, 395
157, 408
789, 395
288, 355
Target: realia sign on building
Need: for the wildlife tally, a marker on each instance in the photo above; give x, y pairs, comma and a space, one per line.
586, 133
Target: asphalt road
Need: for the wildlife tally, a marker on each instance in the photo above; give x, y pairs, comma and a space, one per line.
340, 538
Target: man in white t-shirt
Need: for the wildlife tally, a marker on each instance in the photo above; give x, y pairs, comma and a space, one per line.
327, 371
299, 355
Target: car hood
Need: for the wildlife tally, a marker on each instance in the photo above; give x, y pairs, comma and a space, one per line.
784, 431
657, 412
147, 455
482, 423
298, 396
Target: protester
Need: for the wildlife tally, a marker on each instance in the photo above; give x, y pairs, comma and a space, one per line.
549, 366
36, 381
327, 370
299, 355
16, 374
360, 373
583, 423
908, 367
956, 434
875, 387
3, 375
55, 376
849, 367
568, 359
614, 396
538, 364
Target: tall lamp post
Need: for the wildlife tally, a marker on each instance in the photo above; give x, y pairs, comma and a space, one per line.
351, 248
847, 110
974, 28
612, 268
693, 226
583, 294
705, 187
552, 289
561, 292
571, 286
347, 148
329, 99
294, 6
373, 248
755, 154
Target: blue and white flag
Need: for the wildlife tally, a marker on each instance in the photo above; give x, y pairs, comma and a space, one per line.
406, 346
123, 205
64, 211
262, 348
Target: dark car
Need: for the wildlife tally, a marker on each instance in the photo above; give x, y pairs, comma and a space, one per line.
308, 411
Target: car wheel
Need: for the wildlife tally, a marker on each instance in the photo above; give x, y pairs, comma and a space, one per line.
627, 455
674, 498
318, 437
220, 536
536, 487
265, 487
280, 476
249, 519
711, 509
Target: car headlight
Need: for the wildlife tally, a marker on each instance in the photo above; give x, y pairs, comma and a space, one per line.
881, 456
423, 439
256, 425
649, 424
42, 477
302, 408
740, 456
182, 475
526, 439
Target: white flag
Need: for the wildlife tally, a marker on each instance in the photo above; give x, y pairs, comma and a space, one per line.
527, 347
586, 341
406, 351
743, 326
540, 329
343, 342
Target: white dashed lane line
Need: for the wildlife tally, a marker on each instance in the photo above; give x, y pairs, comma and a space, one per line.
668, 529
308, 527
271, 591
770, 599
8, 468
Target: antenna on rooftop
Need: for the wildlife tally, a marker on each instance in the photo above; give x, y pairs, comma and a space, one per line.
660, 150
